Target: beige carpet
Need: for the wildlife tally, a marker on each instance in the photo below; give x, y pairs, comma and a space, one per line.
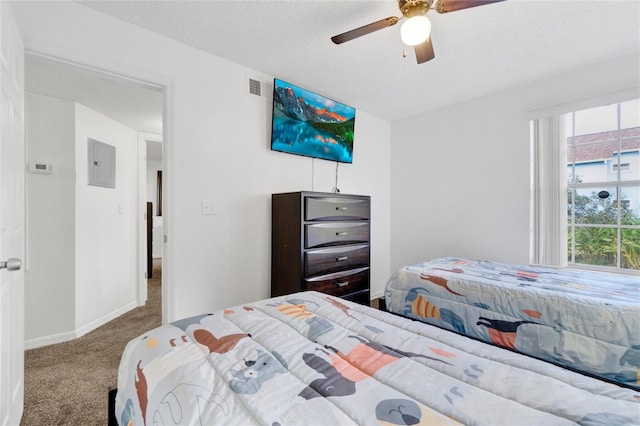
67, 383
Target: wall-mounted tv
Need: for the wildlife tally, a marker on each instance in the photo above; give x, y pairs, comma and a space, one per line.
305, 123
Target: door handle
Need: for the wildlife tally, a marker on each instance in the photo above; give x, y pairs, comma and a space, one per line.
12, 264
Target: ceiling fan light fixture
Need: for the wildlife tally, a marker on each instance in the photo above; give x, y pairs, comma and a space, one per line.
415, 30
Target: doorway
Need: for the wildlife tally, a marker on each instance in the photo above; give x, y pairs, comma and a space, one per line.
133, 104
152, 146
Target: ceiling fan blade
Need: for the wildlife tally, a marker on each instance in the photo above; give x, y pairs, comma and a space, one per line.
364, 30
424, 51
444, 6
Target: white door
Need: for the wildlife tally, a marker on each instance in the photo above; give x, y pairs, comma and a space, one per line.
12, 172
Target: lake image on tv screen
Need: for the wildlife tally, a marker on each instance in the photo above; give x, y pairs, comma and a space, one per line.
308, 124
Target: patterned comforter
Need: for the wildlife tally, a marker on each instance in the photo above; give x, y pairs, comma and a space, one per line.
584, 320
309, 358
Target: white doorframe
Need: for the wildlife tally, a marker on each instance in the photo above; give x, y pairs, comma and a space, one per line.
143, 138
167, 145
142, 219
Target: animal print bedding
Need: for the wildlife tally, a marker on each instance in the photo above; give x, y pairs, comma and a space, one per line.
309, 358
584, 320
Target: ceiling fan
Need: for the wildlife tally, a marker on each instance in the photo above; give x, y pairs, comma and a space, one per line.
416, 30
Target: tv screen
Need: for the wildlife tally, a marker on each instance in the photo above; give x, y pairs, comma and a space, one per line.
305, 123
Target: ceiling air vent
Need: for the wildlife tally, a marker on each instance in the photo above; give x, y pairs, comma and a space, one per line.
254, 87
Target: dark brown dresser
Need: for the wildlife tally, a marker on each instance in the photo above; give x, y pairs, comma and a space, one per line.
320, 241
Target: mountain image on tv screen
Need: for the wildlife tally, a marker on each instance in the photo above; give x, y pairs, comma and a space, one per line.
305, 123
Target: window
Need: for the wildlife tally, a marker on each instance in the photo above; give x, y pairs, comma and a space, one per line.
623, 167
586, 163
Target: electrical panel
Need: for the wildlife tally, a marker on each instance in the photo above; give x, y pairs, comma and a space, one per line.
101, 164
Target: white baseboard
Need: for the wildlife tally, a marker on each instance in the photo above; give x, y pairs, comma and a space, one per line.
74, 334
49, 340
105, 319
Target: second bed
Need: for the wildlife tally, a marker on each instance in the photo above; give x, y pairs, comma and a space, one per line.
583, 320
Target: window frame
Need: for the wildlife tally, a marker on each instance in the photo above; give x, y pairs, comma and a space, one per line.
549, 245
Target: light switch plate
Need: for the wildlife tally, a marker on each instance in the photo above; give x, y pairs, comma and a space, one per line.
208, 207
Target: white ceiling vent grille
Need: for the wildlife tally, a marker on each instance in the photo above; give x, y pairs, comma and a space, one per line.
255, 87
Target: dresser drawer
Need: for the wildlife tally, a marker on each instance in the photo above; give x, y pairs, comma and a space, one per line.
321, 241
335, 259
332, 208
335, 233
341, 283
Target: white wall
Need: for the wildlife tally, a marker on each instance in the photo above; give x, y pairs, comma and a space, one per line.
82, 243
460, 174
106, 232
216, 148
50, 265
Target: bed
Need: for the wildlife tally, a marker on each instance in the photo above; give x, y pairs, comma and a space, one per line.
587, 321
311, 358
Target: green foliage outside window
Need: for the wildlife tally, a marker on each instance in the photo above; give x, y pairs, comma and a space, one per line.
599, 245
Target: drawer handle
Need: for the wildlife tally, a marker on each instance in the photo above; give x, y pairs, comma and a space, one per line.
341, 234
342, 284
342, 258
342, 208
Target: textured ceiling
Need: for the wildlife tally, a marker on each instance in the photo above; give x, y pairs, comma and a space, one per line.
129, 102
478, 51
